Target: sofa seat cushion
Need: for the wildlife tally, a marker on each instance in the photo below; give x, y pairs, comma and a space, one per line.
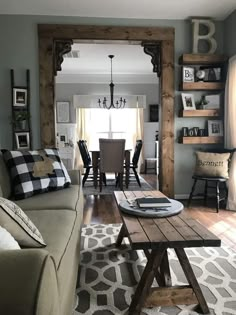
62, 199
56, 228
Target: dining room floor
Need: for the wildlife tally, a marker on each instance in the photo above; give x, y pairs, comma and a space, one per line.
103, 209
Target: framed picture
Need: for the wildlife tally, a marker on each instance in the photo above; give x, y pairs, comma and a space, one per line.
212, 74
188, 101
19, 97
62, 140
63, 112
215, 128
213, 101
22, 140
153, 113
188, 74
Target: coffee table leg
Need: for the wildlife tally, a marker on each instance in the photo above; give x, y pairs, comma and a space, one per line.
145, 282
162, 276
165, 270
121, 235
185, 264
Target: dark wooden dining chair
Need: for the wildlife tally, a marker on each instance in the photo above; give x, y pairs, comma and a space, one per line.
112, 152
134, 163
87, 162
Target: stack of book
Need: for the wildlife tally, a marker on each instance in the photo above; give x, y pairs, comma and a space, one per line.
153, 202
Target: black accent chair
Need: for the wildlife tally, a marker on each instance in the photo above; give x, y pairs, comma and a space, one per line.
135, 159
86, 159
216, 183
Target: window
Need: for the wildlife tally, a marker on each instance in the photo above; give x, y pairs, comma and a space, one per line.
112, 124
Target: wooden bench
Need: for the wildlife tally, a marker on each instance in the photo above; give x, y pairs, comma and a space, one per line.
154, 237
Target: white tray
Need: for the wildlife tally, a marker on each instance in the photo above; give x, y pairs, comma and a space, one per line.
175, 208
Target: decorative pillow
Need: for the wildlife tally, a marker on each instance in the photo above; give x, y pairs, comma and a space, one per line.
14, 220
35, 172
7, 241
212, 164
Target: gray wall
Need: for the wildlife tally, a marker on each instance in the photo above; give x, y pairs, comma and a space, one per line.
230, 39
19, 50
65, 92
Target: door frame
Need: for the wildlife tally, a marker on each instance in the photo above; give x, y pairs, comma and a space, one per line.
56, 39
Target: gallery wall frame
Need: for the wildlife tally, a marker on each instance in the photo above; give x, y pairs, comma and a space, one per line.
22, 140
19, 97
63, 112
153, 112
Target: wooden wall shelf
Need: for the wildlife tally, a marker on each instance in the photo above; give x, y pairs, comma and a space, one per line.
203, 59
201, 140
200, 113
198, 86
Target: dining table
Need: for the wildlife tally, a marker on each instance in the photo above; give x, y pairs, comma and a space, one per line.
95, 158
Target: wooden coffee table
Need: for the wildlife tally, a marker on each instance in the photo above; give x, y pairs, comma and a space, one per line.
154, 237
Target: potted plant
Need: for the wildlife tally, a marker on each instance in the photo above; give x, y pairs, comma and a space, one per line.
20, 119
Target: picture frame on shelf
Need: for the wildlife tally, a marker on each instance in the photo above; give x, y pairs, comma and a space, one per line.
188, 74
213, 101
188, 101
22, 140
215, 128
63, 112
153, 112
212, 74
19, 97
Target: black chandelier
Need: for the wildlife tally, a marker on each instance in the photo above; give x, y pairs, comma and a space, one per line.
119, 103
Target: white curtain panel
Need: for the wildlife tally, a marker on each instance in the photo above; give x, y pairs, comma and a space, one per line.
230, 129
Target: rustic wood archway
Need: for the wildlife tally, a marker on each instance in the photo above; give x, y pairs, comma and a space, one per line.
55, 40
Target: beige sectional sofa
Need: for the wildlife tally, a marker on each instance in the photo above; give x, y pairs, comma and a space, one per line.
42, 281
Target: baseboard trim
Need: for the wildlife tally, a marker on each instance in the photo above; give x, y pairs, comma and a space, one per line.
181, 196
186, 196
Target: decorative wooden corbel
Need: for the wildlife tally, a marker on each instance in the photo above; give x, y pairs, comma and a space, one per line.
61, 47
154, 50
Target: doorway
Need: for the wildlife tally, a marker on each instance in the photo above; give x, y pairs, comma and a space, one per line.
52, 48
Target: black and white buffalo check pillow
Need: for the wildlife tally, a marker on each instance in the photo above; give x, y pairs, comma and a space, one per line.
35, 172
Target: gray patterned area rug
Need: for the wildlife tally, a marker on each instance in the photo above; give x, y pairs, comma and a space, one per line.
89, 189
108, 276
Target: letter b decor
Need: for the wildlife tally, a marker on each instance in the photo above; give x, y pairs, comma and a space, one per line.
207, 37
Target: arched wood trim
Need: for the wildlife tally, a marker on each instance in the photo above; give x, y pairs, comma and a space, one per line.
165, 36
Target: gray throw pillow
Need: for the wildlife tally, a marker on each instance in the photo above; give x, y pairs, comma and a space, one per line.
212, 164
16, 222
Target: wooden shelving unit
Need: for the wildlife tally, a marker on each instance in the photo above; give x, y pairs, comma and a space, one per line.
200, 113
201, 140
203, 59
201, 86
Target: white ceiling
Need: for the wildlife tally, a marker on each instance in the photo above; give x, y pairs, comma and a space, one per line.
140, 9
129, 65
93, 59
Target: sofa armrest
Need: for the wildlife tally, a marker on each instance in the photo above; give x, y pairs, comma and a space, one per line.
28, 283
75, 176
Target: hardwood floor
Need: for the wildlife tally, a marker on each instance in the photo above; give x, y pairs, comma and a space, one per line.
103, 209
